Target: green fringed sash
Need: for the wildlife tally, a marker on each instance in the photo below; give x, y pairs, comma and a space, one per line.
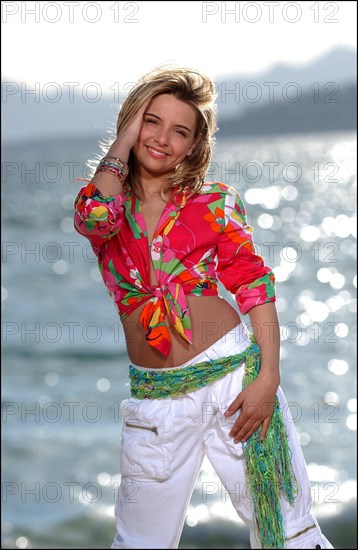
269, 471
162, 383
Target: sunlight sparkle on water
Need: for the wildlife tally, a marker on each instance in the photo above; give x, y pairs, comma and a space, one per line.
342, 330
265, 221
334, 303
104, 479
320, 472
331, 397
60, 267
338, 366
66, 225
303, 339
290, 193
324, 275
332, 276
341, 226
103, 384
310, 233
51, 378
288, 263
351, 422
197, 514
22, 542
288, 214
337, 281
268, 197
317, 311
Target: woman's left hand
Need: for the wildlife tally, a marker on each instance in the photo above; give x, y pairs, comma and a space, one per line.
256, 402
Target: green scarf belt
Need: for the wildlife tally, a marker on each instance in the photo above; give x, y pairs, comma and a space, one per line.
268, 469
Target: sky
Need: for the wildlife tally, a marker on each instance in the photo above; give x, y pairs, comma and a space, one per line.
114, 43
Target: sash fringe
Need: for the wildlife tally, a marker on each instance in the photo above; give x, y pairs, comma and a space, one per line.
269, 471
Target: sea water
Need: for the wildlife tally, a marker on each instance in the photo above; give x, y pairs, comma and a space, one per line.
65, 369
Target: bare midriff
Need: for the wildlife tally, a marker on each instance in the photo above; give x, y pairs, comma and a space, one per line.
211, 318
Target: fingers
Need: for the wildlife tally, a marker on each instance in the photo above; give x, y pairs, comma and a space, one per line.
142, 110
247, 431
235, 406
251, 418
265, 427
253, 413
248, 421
131, 130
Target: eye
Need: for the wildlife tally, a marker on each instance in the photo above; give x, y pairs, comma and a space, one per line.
181, 133
151, 120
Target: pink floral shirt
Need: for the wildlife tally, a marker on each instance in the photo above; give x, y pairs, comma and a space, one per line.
198, 241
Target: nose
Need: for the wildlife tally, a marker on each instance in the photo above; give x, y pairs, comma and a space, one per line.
161, 136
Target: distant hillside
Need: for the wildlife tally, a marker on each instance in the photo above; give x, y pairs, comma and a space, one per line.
338, 65
26, 116
302, 116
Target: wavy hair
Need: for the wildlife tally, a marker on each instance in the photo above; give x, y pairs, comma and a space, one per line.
187, 85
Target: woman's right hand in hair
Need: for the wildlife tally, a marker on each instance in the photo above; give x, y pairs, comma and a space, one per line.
124, 142
106, 182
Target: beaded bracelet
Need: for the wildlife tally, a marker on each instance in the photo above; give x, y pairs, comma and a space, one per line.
113, 165
109, 169
114, 161
115, 158
117, 174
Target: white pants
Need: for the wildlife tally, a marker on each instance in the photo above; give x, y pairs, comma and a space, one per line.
163, 445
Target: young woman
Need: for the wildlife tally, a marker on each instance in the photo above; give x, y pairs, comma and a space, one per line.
201, 384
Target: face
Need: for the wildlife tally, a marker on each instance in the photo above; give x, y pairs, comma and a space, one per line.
166, 136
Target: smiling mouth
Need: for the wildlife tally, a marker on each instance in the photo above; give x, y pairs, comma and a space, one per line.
156, 153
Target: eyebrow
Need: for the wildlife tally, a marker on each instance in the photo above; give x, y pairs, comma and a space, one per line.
178, 125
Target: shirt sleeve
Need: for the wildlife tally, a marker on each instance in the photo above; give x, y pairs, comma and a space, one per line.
96, 216
241, 270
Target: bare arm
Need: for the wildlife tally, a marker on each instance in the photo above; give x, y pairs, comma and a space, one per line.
99, 213
106, 182
266, 329
257, 400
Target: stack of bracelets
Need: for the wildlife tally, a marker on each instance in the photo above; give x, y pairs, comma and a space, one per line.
114, 165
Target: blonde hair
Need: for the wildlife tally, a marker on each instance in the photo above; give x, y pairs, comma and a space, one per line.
187, 85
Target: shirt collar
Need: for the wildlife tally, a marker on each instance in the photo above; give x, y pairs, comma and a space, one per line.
171, 210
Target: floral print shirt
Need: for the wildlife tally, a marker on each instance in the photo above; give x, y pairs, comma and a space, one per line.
199, 240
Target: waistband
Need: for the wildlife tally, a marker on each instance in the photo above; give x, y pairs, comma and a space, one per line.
173, 382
